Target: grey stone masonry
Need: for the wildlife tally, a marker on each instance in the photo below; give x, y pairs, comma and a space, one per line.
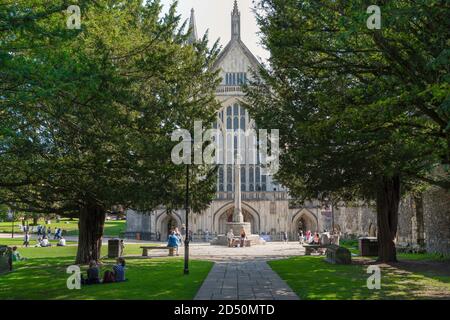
244, 280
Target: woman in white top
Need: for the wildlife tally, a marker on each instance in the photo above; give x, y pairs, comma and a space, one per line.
61, 242
230, 238
45, 243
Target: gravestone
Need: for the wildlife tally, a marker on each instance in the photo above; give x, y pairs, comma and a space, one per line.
338, 255
368, 246
5, 259
115, 248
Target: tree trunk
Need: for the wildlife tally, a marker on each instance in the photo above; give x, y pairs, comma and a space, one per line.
35, 220
418, 200
90, 233
388, 200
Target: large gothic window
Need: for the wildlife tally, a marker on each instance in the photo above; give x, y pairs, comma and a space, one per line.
243, 179
229, 178
221, 180
235, 78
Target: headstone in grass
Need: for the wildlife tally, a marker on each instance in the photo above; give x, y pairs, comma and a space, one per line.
368, 246
5, 259
338, 255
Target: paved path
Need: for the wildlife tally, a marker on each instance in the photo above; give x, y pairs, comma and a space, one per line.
244, 280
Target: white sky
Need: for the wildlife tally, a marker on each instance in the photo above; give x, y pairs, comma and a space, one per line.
215, 15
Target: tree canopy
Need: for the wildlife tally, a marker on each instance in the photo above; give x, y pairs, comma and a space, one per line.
87, 114
363, 114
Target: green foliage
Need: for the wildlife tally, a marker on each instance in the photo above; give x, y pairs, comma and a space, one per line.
352, 104
86, 115
112, 228
154, 279
314, 279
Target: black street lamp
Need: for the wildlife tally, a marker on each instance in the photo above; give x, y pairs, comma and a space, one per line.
12, 227
186, 241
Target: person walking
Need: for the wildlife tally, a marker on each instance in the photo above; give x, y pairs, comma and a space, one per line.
285, 237
26, 239
300, 237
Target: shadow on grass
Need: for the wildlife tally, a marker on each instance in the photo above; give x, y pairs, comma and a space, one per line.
158, 278
313, 278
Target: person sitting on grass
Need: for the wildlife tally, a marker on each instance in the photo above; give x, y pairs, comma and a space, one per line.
108, 277
15, 255
93, 273
61, 242
119, 270
45, 243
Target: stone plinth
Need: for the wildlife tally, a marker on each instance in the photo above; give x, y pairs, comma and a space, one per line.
222, 240
237, 226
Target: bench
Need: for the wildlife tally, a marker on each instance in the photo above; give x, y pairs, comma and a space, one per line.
310, 248
146, 249
338, 255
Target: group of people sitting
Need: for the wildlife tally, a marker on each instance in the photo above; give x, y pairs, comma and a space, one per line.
117, 274
240, 242
309, 237
44, 242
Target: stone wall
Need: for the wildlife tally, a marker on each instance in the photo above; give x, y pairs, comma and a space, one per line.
436, 207
354, 222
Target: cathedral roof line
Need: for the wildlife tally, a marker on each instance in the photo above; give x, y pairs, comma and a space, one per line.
236, 40
193, 28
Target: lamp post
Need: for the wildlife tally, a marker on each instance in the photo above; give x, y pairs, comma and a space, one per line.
12, 227
186, 241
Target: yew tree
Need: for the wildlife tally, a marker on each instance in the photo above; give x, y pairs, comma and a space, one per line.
363, 113
87, 114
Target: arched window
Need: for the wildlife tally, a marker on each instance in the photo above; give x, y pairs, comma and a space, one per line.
264, 182
229, 124
236, 110
221, 175
229, 178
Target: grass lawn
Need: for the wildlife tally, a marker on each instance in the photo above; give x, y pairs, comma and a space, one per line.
352, 245
18, 242
113, 228
314, 279
43, 276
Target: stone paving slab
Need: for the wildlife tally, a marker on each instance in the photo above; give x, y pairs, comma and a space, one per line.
244, 280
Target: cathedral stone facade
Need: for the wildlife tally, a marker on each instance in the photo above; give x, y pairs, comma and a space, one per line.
266, 204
